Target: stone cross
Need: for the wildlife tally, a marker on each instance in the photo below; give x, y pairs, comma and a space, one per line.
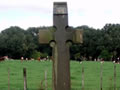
59, 39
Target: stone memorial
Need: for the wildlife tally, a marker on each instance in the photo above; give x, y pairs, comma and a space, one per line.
60, 38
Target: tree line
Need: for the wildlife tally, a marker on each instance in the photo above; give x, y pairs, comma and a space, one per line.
16, 42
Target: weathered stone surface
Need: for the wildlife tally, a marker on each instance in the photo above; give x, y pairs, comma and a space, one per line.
77, 37
45, 36
60, 8
60, 39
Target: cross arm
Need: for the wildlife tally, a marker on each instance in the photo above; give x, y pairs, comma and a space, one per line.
78, 36
45, 36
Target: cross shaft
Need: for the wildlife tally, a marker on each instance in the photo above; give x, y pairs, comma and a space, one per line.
61, 36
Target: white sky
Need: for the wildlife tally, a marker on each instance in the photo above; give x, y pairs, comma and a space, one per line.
35, 13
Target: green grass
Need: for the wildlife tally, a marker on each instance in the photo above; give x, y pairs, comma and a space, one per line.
35, 74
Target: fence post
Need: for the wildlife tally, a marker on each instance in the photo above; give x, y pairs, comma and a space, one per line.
25, 79
46, 80
82, 76
8, 79
101, 74
114, 76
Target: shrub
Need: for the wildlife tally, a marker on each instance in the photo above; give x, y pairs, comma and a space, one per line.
105, 55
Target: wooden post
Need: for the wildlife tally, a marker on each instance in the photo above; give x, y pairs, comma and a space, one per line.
46, 80
25, 79
8, 79
101, 74
114, 76
82, 77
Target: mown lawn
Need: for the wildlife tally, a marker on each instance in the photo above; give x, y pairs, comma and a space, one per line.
35, 74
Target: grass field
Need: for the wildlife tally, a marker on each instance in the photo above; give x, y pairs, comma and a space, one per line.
35, 74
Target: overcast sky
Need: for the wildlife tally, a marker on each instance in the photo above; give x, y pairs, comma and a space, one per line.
35, 13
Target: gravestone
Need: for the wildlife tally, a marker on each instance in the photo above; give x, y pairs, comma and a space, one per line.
59, 39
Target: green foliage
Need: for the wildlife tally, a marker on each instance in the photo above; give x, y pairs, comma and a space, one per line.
36, 55
43, 55
106, 55
77, 56
16, 42
12, 41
